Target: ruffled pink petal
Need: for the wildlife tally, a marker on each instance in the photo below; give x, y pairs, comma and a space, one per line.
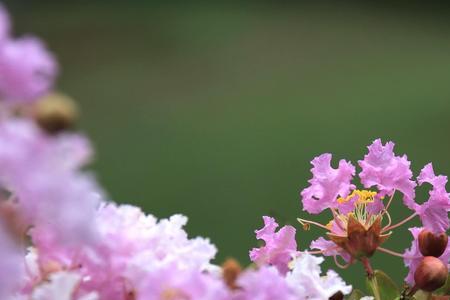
327, 184
376, 206
279, 246
348, 206
329, 248
381, 168
434, 212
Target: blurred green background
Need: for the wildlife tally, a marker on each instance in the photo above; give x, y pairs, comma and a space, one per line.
215, 110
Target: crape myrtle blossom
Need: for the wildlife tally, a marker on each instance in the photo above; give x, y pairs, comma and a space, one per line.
42, 189
327, 184
156, 281
434, 212
280, 247
60, 240
138, 257
307, 281
61, 286
301, 270
12, 267
132, 249
43, 175
304, 281
27, 69
382, 169
361, 221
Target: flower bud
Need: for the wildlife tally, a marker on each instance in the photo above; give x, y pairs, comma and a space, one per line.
55, 113
231, 270
430, 274
431, 244
13, 220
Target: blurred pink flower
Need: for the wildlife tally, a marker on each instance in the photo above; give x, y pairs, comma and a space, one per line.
27, 69
265, 283
12, 264
43, 175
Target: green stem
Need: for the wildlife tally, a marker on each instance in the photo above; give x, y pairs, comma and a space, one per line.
376, 291
368, 267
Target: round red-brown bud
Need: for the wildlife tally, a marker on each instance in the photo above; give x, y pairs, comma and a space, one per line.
432, 244
430, 274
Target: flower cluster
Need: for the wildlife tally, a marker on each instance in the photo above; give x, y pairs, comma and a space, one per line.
27, 69
361, 222
61, 239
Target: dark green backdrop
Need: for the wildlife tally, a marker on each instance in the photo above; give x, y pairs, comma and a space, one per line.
215, 111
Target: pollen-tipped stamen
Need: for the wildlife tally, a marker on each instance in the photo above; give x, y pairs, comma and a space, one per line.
345, 266
306, 223
386, 208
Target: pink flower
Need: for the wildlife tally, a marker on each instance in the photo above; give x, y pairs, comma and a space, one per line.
381, 168
434, 212
27, 69
170, 282
412, 256
329, 248
308, 282
327, 184
43, 174
12, 265
266, 283
279, 246
304, 282
61, 286
130, 249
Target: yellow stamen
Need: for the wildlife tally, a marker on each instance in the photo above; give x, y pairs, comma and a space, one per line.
364, 197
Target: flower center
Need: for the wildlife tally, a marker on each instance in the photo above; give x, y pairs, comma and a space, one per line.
363, 197
356, 207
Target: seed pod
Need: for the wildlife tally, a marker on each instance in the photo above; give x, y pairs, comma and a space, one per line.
430, 274
431, 244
